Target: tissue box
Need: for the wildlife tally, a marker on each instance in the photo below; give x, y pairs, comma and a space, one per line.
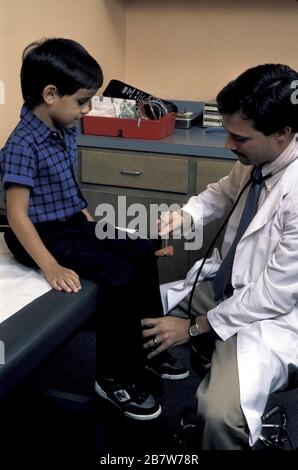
129, 128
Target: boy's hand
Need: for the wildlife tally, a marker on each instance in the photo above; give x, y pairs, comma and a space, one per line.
61, 278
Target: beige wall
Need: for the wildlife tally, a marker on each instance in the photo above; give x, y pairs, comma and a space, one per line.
183, 49
98, 24
188, 49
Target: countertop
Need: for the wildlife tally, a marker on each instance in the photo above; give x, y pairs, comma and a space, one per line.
196, 141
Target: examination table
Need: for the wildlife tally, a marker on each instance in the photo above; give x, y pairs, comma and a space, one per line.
40, 327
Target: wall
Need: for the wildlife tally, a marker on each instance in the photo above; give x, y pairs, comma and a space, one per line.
183, 49
98, 24
189, 49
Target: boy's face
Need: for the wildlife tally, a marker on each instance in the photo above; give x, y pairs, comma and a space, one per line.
67, 109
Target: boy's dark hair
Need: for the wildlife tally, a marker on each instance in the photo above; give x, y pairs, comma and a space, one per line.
263, 94
60, 62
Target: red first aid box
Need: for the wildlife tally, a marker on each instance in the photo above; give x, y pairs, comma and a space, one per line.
129, 128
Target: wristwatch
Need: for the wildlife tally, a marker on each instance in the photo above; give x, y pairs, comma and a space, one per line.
193, 329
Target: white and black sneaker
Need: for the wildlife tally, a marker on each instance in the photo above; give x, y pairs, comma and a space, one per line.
167, 367
130, 399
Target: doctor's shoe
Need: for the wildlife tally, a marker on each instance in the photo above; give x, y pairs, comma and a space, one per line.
134, 402
167, 367
200, 361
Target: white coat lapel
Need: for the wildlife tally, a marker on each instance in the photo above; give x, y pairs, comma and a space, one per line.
273, 200
266, 212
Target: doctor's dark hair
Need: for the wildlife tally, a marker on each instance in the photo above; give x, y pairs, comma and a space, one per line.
263, 94
60, 62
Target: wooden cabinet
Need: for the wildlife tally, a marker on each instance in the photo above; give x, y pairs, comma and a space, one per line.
139, 185
157, 173
210, 170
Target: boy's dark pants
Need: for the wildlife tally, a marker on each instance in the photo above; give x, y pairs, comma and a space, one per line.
126, 271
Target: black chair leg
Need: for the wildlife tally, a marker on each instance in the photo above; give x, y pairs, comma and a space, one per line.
276, 435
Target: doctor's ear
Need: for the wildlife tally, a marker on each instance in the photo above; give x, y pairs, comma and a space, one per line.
49, 94
284, 134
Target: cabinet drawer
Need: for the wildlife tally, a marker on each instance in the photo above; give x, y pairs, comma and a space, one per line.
134, 171
210, 171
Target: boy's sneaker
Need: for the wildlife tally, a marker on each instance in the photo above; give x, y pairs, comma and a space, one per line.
167, 367
130, 399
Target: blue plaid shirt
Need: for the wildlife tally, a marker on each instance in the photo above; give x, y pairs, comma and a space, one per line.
44, 160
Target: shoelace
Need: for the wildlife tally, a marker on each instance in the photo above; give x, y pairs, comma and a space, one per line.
137, 395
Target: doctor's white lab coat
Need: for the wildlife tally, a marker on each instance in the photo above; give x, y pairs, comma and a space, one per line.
263, 310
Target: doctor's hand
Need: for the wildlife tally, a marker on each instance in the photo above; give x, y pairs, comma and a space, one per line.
61, 278
164, 332
170, 222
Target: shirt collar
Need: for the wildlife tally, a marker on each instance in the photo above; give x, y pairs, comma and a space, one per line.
39, 129
281, 163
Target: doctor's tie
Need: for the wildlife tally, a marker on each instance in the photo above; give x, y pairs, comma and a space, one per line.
222, 281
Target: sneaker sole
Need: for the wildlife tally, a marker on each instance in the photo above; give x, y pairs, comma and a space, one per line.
103, 394
170, 376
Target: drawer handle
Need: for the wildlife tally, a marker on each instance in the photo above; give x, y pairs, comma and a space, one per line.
131, 172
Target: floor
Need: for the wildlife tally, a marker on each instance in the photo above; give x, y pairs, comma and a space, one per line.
87, 427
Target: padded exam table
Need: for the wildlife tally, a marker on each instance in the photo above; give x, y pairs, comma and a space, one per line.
31, 333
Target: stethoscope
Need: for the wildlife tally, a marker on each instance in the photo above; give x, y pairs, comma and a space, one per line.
252, 179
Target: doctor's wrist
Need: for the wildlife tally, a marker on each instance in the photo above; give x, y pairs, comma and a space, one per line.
199, 325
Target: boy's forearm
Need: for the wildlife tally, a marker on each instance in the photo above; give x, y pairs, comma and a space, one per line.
31, 241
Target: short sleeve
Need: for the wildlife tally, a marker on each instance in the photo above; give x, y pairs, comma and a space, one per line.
18, 165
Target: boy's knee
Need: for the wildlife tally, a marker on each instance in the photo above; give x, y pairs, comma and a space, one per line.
147, 246
122, 276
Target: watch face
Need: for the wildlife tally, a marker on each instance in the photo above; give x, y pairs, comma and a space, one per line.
193, 330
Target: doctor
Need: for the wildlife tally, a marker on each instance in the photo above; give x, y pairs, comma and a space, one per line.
248, 302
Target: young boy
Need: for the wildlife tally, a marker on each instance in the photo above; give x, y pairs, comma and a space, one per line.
51, 229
